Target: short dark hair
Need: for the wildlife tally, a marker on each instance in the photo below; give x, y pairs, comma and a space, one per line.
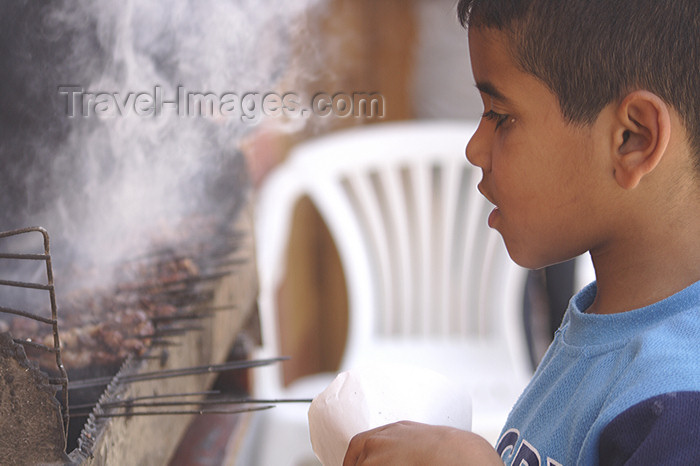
593, 52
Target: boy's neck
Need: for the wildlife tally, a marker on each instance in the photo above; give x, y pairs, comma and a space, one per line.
649, 263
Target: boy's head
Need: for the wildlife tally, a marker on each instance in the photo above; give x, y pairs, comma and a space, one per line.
591, 126
593, 52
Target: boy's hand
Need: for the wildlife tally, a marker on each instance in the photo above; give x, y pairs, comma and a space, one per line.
408, 443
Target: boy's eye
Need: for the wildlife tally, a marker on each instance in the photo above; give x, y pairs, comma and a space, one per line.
499, 118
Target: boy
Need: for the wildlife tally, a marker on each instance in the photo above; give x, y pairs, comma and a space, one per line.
590, 141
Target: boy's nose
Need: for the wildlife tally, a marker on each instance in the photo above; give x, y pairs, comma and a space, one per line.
477, 150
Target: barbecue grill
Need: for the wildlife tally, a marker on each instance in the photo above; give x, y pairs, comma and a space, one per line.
178, 317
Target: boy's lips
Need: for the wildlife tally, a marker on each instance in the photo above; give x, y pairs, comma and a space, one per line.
493, 216
495, 212
485, 193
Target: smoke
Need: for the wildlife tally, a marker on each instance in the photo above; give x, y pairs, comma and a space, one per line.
109, 178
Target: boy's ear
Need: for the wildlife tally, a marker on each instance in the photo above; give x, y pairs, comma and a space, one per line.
641, 136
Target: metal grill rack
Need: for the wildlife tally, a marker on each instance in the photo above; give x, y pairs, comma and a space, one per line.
48, 286
196, 314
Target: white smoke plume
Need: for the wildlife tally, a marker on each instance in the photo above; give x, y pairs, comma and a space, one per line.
101, 182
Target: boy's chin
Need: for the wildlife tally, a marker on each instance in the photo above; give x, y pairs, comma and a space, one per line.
528, 259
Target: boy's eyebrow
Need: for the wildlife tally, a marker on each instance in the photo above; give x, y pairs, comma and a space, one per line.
487, 88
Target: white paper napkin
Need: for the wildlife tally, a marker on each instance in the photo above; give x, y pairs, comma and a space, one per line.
372, 396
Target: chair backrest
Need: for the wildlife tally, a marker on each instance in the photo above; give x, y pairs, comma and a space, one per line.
401, 203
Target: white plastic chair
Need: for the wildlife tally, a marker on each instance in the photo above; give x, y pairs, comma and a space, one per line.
428, 282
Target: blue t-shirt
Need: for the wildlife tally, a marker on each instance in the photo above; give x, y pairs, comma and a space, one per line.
614, 389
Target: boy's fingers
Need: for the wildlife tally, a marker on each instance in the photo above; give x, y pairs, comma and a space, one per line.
357, 448
354, 449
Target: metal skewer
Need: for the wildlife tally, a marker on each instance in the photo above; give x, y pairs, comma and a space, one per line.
234, 365
130, 404
90, 406
195, 411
